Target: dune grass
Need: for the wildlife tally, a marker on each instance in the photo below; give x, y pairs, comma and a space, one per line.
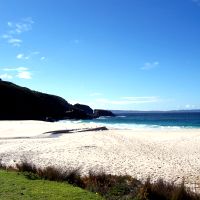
14, 186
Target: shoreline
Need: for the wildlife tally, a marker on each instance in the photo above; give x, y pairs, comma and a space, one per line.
171, 154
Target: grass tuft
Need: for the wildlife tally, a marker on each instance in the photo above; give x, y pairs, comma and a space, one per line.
111, 186
165, 191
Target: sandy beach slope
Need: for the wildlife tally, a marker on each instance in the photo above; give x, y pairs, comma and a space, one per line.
168, 153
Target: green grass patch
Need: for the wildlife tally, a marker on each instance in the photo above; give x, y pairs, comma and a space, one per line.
14, 185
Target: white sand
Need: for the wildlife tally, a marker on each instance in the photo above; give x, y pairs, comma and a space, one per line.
169, 153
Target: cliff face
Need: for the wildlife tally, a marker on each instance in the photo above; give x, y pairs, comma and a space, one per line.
17, 103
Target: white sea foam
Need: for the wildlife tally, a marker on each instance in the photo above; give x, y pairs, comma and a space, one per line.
123, 126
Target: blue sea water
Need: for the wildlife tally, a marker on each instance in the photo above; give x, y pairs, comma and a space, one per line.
151, 119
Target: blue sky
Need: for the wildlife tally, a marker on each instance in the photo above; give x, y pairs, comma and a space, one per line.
112, 54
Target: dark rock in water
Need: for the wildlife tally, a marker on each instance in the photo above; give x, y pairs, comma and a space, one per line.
84, 108
76, 113
99, 113
20, 103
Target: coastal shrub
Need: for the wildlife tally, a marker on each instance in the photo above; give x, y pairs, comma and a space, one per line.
26, 167
112, 186
72, 176
29, 170
162, 190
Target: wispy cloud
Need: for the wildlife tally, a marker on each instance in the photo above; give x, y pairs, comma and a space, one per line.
23, 25
150, 65
6, 36
6, 76
15, 29
18, 69
42, 58
19, 72
129, 100
15, 42
22, 56
189, 106
135, 100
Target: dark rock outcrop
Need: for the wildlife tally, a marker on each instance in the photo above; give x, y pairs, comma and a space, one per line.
20, 103
76, 113
101, 113
84, 108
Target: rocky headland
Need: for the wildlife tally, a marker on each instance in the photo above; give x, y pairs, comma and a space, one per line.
21, 103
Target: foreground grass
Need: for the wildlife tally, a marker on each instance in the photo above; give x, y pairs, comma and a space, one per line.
14, 185
29, 183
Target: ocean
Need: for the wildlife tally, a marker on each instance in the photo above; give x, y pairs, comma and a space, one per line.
129, 120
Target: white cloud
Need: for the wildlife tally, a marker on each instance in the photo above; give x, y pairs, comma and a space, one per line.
150, 65
20, 56
6, 76
19, 72
24, 75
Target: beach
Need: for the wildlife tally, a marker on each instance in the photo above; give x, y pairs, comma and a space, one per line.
172, 154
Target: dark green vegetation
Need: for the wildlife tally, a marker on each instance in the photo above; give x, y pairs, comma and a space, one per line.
20, 103
110, 187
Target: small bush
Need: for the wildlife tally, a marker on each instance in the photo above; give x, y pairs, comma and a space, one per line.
26, 167
69, 175
111, 186
165, 191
